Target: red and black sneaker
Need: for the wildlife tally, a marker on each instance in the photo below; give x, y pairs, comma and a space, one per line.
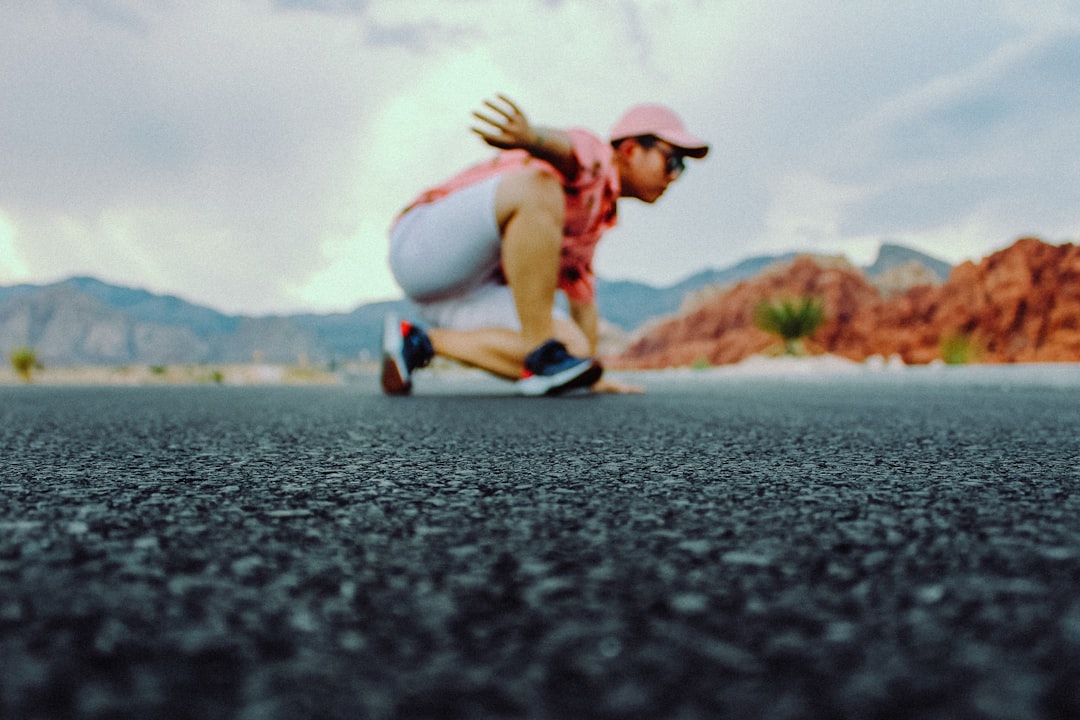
405, 347
550, 369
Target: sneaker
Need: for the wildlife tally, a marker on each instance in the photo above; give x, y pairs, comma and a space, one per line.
550, 370
405, 348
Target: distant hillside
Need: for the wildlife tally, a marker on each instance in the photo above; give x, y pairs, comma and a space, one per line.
1016, 305
892, 257
85, 321
628, 304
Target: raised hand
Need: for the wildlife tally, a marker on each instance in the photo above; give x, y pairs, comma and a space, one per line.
504, 125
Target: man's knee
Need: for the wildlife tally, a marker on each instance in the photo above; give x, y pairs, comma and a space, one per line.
533, 192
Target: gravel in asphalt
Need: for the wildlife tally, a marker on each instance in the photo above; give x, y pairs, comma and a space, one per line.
891, 546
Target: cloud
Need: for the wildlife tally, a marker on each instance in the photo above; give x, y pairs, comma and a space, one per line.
251, 155
11, 263
116, 13
807, 210
989, 136
229, 156
325, 6
1020, 81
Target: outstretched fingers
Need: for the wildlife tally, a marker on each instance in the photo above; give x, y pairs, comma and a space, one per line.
493, 122
514, 110
503, 125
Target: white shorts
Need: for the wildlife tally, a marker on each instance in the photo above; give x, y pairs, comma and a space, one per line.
446, 256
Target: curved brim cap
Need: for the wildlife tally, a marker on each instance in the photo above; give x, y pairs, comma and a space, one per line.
661, 121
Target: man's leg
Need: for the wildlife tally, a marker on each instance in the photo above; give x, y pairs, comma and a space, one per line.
529, 208
529, 211
496, 349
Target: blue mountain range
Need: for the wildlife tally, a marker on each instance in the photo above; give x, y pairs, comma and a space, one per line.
83, 320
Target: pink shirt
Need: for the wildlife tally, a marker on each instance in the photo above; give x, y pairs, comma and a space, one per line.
590, 203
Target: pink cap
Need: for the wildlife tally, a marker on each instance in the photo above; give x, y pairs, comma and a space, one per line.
652, 119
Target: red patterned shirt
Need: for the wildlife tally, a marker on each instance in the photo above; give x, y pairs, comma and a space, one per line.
590, 203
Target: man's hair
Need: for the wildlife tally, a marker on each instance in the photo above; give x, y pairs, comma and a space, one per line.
645, 141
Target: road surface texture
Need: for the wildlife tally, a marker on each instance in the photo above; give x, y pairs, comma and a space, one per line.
898, 545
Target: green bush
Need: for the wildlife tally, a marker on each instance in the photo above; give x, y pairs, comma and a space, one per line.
25, 361
959, 349
792, 320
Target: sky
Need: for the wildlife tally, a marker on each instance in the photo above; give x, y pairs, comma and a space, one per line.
249, 155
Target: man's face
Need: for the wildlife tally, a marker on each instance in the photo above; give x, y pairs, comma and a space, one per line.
650, 169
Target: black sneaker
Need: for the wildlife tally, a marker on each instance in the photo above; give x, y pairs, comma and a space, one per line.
405, 348
550, 370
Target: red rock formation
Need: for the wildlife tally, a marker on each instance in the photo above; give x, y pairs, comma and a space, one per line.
1021, 304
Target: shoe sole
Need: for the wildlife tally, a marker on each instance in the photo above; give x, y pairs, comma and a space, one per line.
394, 379
579, 376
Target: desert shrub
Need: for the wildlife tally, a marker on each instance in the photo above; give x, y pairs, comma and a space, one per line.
959, 349
792, 320
24, 360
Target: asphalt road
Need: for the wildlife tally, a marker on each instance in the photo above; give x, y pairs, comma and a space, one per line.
890, 546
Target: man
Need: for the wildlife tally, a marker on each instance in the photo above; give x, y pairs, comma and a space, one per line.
483, 254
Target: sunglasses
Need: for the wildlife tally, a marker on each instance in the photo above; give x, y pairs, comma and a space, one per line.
674, 160
674, 163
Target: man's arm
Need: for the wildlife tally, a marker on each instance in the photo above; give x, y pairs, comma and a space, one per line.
586, 317
509, 129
